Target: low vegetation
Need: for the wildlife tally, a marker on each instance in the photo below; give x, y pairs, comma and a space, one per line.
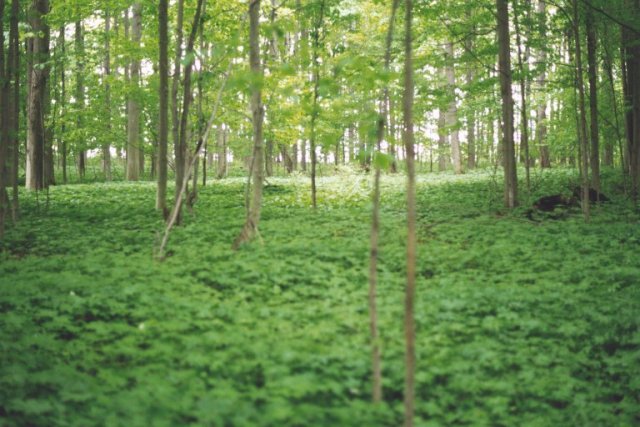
519, 322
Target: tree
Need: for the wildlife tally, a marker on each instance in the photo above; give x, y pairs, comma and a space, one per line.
412, 241
504, 66
106, 146
38, 75
541, 109
250, 228
376, 364
582, 124
79, 96
163, 128
451, 116
134, 146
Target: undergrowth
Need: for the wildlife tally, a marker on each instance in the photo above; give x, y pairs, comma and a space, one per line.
519, 323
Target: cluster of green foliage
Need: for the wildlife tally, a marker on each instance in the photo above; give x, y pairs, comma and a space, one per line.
519, 323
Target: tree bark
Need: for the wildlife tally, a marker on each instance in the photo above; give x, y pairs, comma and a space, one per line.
250, 228
4, 131
222, 153
504, 65
163, 126
179, 152
524, 109
541, 109
593, 100
106, 147
13, 113
79, 95
412, 243
582, 128
315, 112
376, 363
37, 95
452, 112
133, 102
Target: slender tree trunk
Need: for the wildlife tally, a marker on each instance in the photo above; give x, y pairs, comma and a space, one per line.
63, 107
471, 115
222, 153
163, 134
582, 128
268, 158
37, 96
13, 113
79, 95
179, 153
250, 228
106, 147
608, 67
376, 364
4, 122
412, 243
524, 109
442, 140
541, 109
593, 100
632, 67
133, 102
509, 158
452, 113
315, 110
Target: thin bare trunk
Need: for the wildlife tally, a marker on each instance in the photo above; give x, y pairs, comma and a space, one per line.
524, 109
133, 102
106, 147
376, 364
412, 243
593, 100
452, 112
508, 147
582, 128
163, 126
250, 228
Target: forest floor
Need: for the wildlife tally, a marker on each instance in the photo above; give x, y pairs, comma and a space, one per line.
519, 322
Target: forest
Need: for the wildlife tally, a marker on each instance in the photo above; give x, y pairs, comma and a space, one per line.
319, 212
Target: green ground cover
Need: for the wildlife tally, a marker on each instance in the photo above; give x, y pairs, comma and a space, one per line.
519, 322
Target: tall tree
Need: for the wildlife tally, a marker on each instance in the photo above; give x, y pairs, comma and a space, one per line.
504, 66
133, 100
163, 131
37, 95
452, 113
315, 63
250, 228
80, 95
4, 132
582, 122
376, 364
524, 109
179, 151
412, 242
106, 147
593, 99
541, 108
13, 112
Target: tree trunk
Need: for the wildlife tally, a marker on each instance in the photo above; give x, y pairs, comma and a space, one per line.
222, 153
4, 121
376, 363
412, 242
163, 126
268, 158
37, 95
524, 109
186, 95
106, 147
79, 95
179, 152
504, 54
593, 100
632, 45
541, 109
471, 115
315, 109
62, 143
250, 228
133, 102
13, 113
452, 113
582, 128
